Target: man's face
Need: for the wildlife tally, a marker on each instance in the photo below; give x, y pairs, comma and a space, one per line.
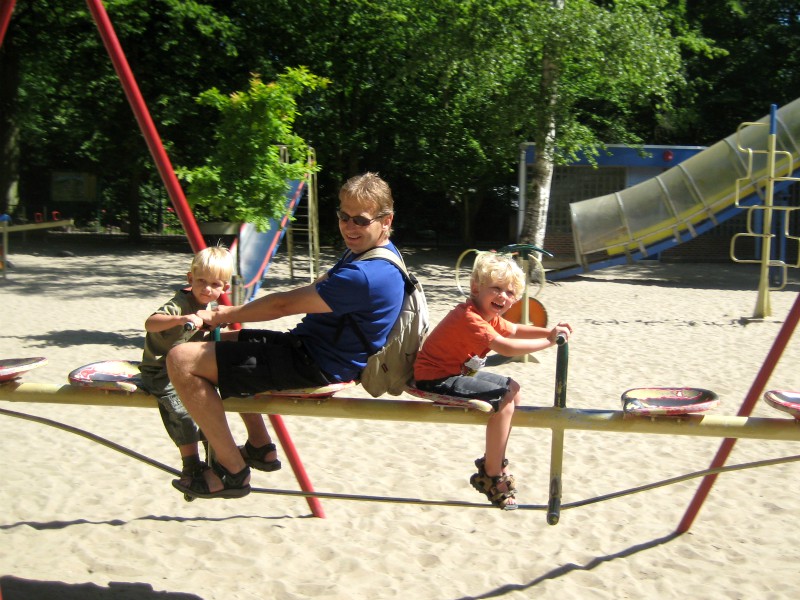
372, 231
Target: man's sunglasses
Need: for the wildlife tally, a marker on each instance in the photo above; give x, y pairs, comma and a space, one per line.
357, 220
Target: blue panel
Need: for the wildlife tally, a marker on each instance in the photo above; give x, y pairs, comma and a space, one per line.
256, 249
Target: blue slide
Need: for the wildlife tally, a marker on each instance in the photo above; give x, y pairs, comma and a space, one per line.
254, 250
686, 200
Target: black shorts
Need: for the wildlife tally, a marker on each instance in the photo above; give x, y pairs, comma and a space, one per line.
262, 360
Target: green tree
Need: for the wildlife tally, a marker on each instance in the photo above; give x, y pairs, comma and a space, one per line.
437, 95
424, 92
246, 177
758, 65
69, 106
603, 66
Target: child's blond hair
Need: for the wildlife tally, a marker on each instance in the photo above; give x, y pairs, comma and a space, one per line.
214, 261
492, 268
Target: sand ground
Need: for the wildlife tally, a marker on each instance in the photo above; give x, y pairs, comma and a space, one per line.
83, 521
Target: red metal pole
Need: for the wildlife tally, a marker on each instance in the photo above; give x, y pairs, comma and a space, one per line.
178, 199
760, 382
6, 8
297, 466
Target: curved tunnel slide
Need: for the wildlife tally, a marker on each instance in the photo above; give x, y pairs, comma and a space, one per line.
686, 200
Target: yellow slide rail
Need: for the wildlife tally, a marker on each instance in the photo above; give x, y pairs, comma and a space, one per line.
763, 230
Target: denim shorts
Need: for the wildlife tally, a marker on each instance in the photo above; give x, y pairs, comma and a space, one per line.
180, 426
490, 387
262, 360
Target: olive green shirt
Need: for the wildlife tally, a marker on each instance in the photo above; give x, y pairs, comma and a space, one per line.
156, 344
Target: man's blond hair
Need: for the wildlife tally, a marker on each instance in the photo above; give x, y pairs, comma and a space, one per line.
368, 189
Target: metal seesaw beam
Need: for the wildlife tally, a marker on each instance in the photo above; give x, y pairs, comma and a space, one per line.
379, 409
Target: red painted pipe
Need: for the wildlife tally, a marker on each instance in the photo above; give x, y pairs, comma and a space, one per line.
760, 382
6, 8
146, 124
297, 466
178, 199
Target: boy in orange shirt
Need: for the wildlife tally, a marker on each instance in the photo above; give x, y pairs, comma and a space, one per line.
450, 360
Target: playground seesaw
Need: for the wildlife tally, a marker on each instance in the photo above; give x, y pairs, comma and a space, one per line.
389, 409
659, 411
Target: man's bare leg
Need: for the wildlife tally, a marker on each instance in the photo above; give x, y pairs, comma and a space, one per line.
192, 370
257, 433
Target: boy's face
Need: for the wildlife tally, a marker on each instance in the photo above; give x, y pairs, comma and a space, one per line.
205, 288
493, 299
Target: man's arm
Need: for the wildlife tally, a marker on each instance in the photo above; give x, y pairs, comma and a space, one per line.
302, 300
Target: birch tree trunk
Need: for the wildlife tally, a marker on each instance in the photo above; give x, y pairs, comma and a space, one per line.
534, 226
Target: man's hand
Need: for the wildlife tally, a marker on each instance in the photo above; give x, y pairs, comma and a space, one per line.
210, 318
218, 316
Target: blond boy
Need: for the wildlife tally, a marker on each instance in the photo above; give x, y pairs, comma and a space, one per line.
176, 322
451, 359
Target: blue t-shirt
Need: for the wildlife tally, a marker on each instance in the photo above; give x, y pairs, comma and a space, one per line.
371, 292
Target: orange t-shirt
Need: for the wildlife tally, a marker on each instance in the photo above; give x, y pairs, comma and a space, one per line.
462, 334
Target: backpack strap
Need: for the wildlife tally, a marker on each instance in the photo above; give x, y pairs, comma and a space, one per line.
409, 280
386, 254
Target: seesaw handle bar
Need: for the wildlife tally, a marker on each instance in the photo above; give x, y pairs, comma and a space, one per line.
557, 438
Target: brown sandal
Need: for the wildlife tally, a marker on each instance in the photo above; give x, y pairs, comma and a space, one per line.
480, 464
499, 489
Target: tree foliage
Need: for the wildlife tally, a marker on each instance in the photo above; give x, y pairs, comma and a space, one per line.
757, 64
256, 153
436, 95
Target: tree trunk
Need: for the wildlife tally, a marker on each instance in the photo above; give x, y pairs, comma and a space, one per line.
534, 227
9, 132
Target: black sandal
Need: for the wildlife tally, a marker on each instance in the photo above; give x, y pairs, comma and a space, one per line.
188, 473
254, 457
233, 484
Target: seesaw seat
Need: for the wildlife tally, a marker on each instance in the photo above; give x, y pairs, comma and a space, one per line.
788, 402
667, 401
12, 368
111, 375
452, 401
123, 375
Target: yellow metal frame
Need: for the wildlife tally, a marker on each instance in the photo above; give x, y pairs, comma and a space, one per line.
379, 409
763, 306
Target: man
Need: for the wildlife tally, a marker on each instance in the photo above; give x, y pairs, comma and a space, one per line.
324, 347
